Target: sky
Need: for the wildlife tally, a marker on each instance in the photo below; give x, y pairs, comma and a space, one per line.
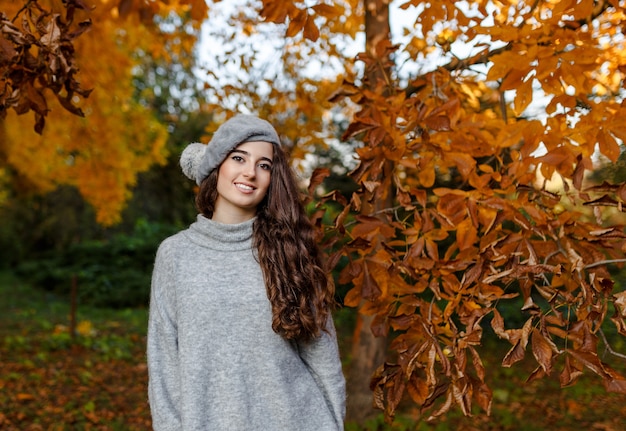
269, 43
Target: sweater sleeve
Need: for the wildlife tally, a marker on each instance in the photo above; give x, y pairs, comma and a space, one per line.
322, 359
162, 348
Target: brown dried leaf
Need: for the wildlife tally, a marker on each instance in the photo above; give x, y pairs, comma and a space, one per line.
438, 123
620, 324
353, 297
369, 288
395, 392
124, 8
435, 394
537, 374
571, 372
620, 303
579, 174
380, 325
616, 385
401, 322
542, 350
52, 34
296, 23
347, 89
82, 27
608, 145
311, 31
7, 52
443, 408
484, 396
591, 361
466, 235
605, 200
317, 177
417, 389
431, 376
478, 364
377, 385
497, 323
515, 354
36, 98
462, 393
327, 10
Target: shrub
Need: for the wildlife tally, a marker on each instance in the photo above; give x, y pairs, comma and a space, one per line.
109, 273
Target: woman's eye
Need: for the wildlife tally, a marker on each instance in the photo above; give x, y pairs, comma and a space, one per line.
237, 158
265, 166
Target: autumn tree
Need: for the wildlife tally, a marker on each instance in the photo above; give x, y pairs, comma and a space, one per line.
67, 110
436, 268
171, 90
465, 126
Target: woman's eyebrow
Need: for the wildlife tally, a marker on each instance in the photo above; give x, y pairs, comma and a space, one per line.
248, 154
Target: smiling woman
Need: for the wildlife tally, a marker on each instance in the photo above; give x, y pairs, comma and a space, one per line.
240, 330
243, 181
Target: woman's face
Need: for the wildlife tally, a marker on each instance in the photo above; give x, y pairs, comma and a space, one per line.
242, 182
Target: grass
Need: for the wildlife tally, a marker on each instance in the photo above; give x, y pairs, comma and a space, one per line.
50, 380
97, 379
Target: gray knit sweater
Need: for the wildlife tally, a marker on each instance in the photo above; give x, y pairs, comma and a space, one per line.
214, 361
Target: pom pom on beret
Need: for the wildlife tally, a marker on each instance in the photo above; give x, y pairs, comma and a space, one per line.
191, 158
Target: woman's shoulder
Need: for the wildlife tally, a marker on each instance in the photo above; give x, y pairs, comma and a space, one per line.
173, 243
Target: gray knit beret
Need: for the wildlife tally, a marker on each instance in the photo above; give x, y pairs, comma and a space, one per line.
198, 160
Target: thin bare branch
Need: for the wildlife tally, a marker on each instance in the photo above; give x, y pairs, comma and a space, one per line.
604, 262
608, 346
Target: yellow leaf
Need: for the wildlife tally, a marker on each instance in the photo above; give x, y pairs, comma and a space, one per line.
608, 145
353, 297
464, 162
85, 328
426, 175
466, 234
502, 64
523, 96
514, 78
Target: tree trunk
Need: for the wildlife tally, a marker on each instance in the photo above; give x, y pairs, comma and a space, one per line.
368, 351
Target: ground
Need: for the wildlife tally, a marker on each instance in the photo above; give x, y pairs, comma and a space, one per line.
97, 379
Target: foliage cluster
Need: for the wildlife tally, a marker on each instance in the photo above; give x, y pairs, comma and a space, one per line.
39, 55
101, 153
457, 214
111, 273
55, 233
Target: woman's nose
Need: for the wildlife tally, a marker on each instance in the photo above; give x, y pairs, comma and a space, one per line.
250, 170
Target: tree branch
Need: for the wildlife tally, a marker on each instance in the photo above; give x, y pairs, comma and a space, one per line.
604, 262
608, 346
457, 63
484, 56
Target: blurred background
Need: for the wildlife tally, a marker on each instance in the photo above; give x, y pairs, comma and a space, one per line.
90, 185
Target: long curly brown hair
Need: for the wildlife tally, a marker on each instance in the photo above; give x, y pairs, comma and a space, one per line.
300, 291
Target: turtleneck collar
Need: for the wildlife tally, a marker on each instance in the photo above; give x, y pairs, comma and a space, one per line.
221, 236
